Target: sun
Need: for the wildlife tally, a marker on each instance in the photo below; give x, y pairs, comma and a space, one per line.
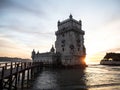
87, 60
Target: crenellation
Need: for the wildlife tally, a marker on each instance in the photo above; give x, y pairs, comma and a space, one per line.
69, 24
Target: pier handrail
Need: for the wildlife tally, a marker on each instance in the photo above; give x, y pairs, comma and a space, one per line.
14, 70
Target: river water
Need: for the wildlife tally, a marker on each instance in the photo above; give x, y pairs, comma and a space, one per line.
93, 77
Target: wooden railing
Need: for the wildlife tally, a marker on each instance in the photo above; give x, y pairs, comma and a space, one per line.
12, 75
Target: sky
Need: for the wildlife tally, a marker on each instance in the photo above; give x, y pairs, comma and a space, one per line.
31, 24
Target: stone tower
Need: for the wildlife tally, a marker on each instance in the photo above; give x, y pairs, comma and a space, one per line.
70, 41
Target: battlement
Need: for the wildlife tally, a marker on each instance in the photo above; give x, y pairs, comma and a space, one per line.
69, 23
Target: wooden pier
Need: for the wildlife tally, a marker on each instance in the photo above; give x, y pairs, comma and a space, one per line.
17, 75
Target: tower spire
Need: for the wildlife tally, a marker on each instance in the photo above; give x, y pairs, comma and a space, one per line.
70, 16
33, 54
52, 49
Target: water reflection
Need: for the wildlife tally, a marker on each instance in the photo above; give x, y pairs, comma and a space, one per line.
94, 77
61, 80
71, 79
46, 80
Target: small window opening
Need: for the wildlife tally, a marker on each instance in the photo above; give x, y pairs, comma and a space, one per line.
63, 49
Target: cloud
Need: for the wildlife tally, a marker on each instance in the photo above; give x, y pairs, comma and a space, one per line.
116, 50
25, 37
15, 6
38, 12
27, 30
10, 47
4, 3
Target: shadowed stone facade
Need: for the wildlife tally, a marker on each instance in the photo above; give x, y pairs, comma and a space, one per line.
69, 44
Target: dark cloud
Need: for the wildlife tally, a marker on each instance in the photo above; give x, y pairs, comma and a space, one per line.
4, 3
14, 5
32, 10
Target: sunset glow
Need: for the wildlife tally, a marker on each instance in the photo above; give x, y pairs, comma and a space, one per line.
25, 27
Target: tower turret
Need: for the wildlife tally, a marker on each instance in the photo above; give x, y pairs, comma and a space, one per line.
33, 54
70, 16
52, 49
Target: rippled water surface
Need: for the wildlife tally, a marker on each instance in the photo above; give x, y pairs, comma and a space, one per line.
94, 77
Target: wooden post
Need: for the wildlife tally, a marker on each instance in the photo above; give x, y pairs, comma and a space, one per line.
16, 77
41, 65
21, 65
22, 82
19, 73
15, 65
38, 67
2, 78
32, 73
28, 78
5, 65
35, 69
10, 77
24, 65
30, 70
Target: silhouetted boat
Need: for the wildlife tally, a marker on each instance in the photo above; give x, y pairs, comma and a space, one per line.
111, 59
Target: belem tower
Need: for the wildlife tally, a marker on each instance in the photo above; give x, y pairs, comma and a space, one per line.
69, 45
